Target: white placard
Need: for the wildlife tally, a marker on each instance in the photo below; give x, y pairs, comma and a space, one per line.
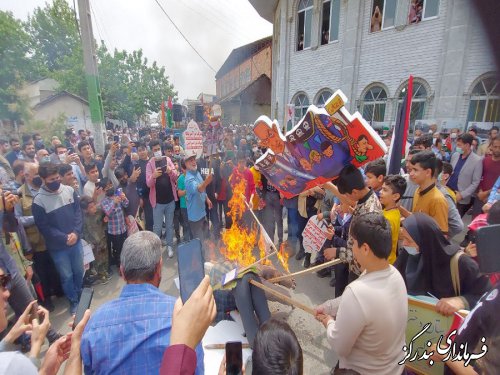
314, 235
193, 138
88, 254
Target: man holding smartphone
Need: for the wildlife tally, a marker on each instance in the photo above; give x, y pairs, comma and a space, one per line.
57, 214
196, 196
161, 178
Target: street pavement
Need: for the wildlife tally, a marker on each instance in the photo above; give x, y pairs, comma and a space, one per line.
319, 359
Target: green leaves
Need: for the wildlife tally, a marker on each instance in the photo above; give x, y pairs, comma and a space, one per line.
130, 87
49, 45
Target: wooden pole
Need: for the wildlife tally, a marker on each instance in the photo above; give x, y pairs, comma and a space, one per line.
282, 297
308, 270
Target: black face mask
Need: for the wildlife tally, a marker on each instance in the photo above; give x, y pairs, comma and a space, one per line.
37, 182
110, 192
123, 183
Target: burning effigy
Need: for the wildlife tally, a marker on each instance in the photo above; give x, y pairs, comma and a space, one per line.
315, 150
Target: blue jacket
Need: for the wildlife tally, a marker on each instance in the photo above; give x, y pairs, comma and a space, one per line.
57, 215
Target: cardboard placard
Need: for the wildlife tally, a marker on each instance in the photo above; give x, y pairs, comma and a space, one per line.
88, 254
193, 138
314, 235
422, 311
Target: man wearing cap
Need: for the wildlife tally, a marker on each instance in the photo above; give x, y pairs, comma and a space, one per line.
196, 197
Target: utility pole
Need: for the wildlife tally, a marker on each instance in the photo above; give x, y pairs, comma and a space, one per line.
91, 75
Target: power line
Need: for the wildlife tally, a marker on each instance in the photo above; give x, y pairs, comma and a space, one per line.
96, 24
183, 36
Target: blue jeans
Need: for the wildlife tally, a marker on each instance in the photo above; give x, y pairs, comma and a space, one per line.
69, 264
166, 211
293, 225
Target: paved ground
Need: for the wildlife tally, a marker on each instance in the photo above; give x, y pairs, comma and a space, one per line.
311, 290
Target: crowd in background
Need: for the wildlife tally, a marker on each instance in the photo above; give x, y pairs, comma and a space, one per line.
60, 195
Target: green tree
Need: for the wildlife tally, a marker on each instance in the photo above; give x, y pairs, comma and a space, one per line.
15, 67
56, 45
131, 87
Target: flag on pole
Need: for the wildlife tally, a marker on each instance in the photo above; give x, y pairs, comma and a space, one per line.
163, 114
400, 135
169, 113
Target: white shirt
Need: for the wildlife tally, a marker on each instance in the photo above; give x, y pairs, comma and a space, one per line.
369, 331
88, 189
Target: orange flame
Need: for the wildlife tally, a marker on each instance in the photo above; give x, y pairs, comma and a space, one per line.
238, 241
283, 256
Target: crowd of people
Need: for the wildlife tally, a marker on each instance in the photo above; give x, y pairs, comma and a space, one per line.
395, 234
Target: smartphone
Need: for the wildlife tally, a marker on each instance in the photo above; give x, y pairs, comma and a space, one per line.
83, 305
488, 256
116, 138
134, 149
34, 312
191, 267
118, 192
234, 360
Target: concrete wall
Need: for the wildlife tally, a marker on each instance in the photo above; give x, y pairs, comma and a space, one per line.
77, 113
447, 54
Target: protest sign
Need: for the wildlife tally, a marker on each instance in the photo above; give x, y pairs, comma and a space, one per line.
193, 138
316, 149
88, 254
425, 325
314, 235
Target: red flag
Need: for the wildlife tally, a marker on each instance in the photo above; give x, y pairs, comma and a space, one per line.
163, 122
397, 148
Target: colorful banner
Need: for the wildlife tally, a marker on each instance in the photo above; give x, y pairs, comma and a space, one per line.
317, 148
169, 113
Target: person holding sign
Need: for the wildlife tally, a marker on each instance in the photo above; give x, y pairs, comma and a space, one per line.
430, 263
366, 325
196, 196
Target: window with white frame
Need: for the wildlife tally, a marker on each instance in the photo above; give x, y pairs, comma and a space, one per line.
305, 12
418, 102
301, 103
330, 21
484, 103
373, 104
322, 97
383, 15
423, 10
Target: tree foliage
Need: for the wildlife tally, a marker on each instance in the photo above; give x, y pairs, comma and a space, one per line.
15, 66
51, 47
129, 86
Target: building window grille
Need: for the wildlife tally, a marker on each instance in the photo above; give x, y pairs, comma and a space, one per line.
373, 104
484, 103
301, 103
330, 21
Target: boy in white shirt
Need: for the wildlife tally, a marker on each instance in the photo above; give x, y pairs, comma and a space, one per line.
366, 326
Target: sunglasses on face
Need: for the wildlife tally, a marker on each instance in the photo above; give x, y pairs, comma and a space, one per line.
5, 281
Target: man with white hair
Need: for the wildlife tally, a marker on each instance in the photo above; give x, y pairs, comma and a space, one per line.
140, 320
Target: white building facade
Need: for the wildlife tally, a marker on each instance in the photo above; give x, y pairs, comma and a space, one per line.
369, 48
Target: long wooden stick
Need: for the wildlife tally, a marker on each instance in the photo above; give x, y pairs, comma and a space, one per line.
308, 270
258, 222
282, 297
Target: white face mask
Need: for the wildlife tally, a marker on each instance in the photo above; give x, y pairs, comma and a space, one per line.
62, 158
411, 250
157, 155
453, 135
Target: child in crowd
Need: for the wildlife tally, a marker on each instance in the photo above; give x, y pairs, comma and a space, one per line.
366, 325
112, 206
393, 189
341, 213
375, 172
444, 177
94, 234
181, 192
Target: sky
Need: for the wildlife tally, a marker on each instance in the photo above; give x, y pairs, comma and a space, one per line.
213, 27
